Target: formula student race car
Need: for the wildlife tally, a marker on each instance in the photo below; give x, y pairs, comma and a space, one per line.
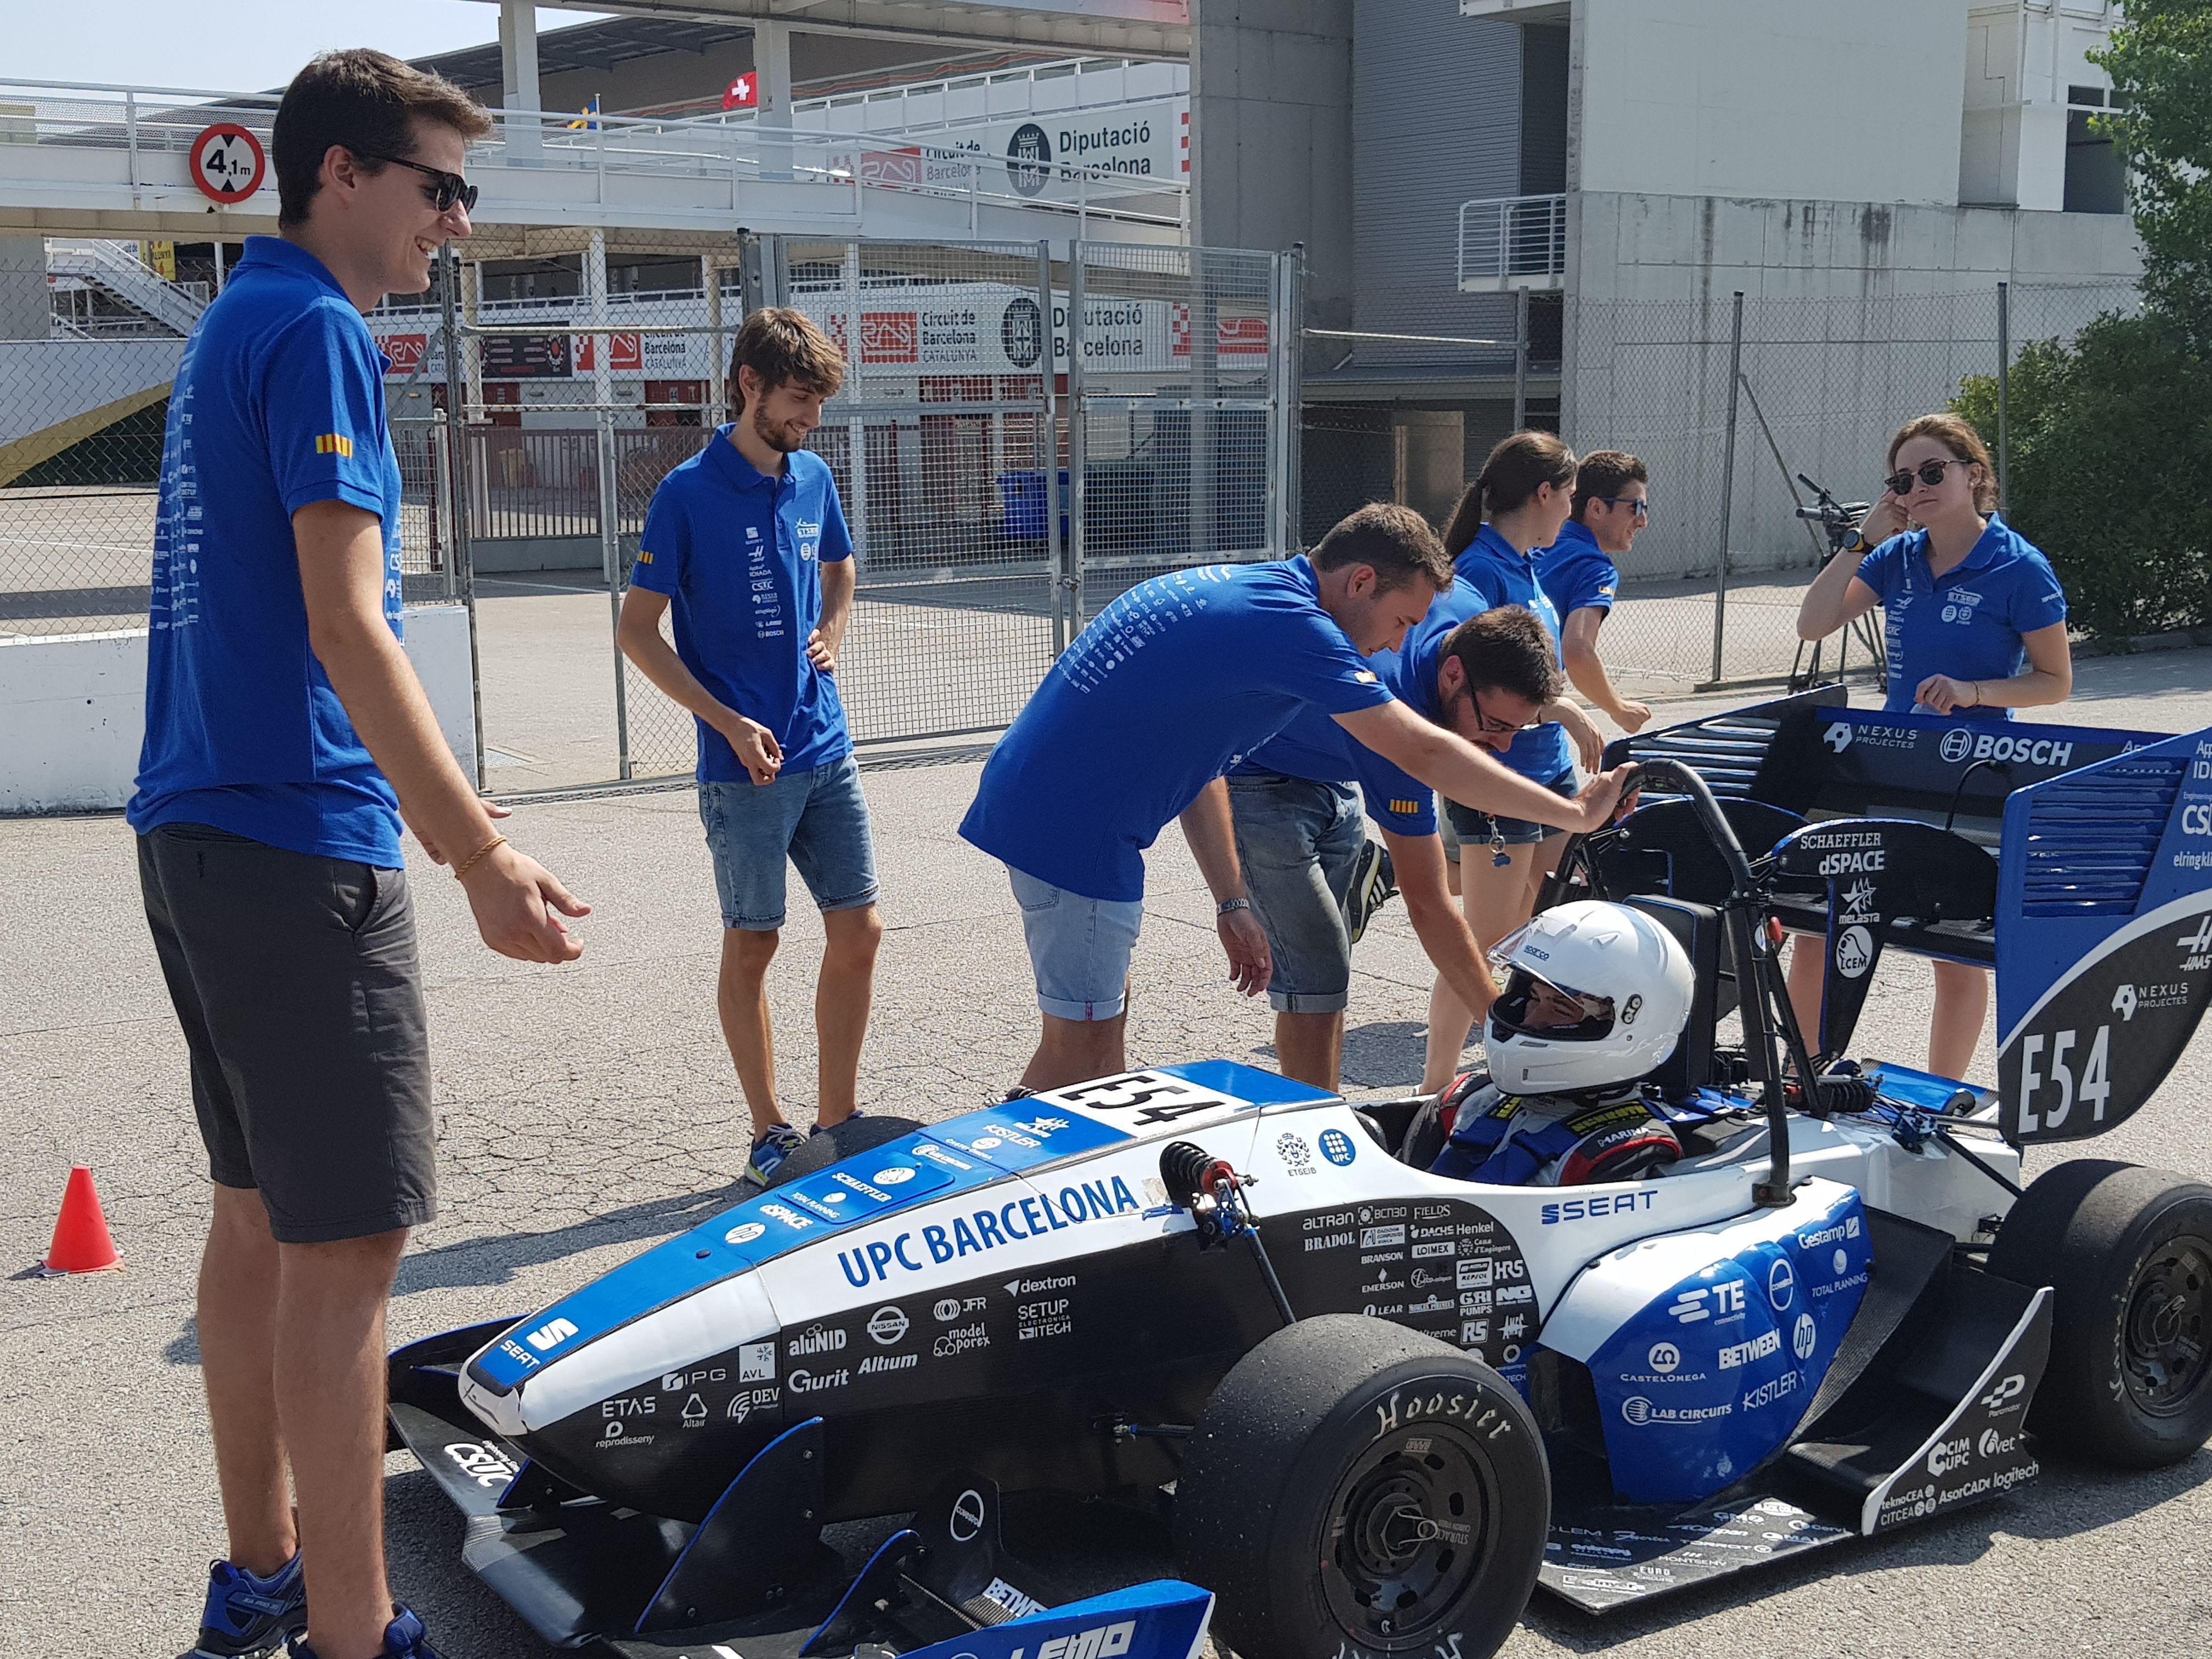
1389, 1404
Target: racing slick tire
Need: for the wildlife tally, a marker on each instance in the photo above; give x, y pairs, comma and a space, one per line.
840, 1141
1409, 1474
2128, 1253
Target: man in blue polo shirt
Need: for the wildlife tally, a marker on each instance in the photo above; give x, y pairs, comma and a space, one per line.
1139, 719
1484, 673
745, 543
286, 737
1578, 575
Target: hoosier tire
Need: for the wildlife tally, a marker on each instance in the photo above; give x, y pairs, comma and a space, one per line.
1353, 1487
2128, 1253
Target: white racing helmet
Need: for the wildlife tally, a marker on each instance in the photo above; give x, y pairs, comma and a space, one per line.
1595, 995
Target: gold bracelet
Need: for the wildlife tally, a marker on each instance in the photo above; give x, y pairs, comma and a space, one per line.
473, 858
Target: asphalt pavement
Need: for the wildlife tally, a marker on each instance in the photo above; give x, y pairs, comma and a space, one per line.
588, 1111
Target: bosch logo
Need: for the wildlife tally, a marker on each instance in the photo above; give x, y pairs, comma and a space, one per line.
1956, 743
1781, 1285
1960, 742
1664, 1356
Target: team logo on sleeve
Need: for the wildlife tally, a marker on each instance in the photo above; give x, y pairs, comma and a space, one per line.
1365, 676
1404, 808
333, 443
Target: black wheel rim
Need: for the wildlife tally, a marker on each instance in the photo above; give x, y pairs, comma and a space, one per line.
2164, 1354
1410, 1528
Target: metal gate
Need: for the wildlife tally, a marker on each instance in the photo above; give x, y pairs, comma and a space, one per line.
1018, 438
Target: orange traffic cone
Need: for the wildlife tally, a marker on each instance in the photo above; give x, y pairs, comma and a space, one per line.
80, 1241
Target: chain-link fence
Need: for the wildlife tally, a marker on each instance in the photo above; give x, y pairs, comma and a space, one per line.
983, 474
1179, 443
1711, 590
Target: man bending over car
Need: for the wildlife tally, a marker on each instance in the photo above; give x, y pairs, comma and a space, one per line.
1141, 716
1301, 837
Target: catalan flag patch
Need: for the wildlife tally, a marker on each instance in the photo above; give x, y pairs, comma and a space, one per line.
644, 556
1364, 676
1404, 808
333, 443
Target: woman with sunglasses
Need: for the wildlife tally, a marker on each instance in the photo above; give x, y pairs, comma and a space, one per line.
1974, 623
1524, 491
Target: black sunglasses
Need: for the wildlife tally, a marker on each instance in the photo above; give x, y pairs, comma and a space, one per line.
449, 188
1641, 503
1931, 474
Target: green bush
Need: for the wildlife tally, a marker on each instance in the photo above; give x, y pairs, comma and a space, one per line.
2111, 470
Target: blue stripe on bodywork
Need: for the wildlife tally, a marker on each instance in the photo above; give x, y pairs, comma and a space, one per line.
737, 1240
1245, 1083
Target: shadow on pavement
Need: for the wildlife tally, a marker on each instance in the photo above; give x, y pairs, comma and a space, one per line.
2074, 1496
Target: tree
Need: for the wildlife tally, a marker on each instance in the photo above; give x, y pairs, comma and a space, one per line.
2160, 62
2110, 435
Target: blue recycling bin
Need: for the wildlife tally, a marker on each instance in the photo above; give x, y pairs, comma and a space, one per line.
1023, 495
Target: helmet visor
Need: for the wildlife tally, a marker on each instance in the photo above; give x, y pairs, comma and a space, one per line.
1531, 1005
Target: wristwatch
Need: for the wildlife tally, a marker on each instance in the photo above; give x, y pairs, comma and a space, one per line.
1227, 905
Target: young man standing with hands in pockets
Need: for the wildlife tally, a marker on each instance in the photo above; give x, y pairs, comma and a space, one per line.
286, 737
745, 544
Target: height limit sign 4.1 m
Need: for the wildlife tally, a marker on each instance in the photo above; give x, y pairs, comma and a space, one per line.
228, 163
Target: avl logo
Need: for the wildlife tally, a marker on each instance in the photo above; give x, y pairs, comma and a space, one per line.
550, 1335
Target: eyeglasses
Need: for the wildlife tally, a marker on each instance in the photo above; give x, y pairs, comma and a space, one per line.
1485, 723
1931, 474
1640, 504
449, 188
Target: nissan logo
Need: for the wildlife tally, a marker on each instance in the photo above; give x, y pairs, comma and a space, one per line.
967, 1517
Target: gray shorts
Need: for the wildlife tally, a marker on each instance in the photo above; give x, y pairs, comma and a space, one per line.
297, 984
1299, 842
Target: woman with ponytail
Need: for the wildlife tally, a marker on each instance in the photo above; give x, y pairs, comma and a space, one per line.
1511, 512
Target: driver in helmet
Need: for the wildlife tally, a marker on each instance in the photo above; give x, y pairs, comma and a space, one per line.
1595, 997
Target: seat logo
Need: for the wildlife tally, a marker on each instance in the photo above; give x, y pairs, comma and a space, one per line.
550, 1334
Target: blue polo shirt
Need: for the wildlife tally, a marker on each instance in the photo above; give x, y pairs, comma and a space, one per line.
1177, 680
279, 403
1315, 747
740, 555
1501, 576
1576, 573
1968, 625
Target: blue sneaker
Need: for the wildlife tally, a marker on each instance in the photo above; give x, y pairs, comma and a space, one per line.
404, 1638
247, 1614
770, 1150
824, 1128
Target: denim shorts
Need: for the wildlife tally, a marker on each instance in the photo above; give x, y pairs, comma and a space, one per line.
1472, 829
818, 818
1299, 842
1079, 946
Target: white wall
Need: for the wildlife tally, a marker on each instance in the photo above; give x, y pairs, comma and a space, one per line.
1789, 99
73, 710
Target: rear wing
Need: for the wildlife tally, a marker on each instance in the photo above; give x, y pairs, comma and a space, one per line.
2104, 937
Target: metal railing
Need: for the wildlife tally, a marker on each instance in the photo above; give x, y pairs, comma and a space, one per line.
539, 167
1512, 242
117, 268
